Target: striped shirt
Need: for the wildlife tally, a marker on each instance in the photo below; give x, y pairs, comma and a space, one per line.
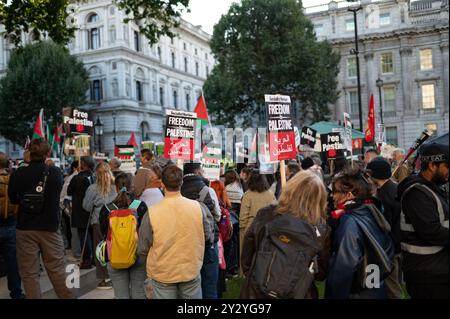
234, 192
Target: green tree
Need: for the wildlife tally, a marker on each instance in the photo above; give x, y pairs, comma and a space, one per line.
41, 75
154, 17
269, 47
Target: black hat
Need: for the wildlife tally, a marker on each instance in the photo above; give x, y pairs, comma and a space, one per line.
434, 152
307, 163
379, 168
89, 162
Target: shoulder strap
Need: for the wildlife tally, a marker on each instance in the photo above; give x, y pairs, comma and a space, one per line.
428, 190
203, 193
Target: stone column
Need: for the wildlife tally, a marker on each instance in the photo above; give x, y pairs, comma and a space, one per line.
2, 53
121, 78
445, 79
407, 80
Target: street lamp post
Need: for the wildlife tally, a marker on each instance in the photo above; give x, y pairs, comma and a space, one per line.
114, 127
355, 51
99, 132
380, 85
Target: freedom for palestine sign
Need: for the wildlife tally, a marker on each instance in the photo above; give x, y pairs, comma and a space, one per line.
280, 128
179, 138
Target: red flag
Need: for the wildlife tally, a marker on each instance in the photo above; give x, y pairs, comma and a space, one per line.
132, 140
370, 130
200, 109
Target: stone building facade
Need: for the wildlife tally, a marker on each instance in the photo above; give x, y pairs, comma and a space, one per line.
132, 83
403, 43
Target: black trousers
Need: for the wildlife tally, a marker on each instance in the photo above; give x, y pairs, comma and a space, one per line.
428, 291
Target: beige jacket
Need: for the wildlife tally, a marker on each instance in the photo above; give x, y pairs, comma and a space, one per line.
176, 254
251, 203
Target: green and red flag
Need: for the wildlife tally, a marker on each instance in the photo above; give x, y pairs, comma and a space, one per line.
202, 112
38, 131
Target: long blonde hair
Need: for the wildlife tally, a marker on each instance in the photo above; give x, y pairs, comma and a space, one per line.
304, 196
105, 179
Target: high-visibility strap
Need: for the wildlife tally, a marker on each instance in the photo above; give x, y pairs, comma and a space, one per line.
421, 250
408, 227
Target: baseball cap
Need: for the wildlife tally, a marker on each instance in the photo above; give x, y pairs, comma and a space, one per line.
434, 152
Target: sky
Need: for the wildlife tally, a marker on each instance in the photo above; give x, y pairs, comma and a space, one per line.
208, 12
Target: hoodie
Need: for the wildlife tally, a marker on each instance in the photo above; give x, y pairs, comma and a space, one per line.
421, 211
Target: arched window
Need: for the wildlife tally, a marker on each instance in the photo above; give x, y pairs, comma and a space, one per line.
93, 17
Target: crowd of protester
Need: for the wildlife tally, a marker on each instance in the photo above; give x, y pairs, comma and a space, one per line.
332, 223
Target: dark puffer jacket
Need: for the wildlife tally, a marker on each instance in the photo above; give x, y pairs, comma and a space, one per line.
191, 188
361, 238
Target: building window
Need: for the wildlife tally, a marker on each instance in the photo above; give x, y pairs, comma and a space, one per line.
389, 99
426, 59
385, 19
391, 135
171, 41
139, 91
207, 70
188, 101
175, 99
428, 101
93, 39
93, 18
387, 63
196, 68
350, 25
173, 60
351, 67
196, 51
184, 46
112, 34
185, 64
353, 103
159, 53
318, 28
114, 65
161, 96
431, 127
96, 90
111, 11
136, 41
206, 56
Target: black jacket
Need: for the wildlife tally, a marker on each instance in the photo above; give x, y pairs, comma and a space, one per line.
191, 188
353, 246
387, 194
420, 210
77, 189
27, 178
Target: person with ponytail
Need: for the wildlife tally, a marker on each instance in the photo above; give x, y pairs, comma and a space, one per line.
127, 283
97, 195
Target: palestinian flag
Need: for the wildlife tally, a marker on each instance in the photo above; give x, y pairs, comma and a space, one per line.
56, 139
38, 131
132, 140
202, 112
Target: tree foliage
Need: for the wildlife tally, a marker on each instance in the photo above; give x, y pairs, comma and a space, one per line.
154, 17
41, 75
269, 47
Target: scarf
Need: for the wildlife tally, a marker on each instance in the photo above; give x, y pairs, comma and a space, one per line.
342, 208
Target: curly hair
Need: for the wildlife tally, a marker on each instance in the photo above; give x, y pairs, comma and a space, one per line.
354, 181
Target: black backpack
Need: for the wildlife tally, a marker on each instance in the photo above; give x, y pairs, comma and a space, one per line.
285, 265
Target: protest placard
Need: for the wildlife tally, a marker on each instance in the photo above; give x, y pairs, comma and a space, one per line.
308, 137
332, 145
280, 127
179, 138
